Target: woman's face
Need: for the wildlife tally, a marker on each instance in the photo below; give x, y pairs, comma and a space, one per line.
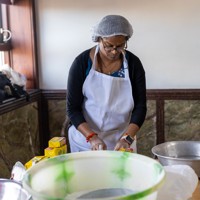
111, 47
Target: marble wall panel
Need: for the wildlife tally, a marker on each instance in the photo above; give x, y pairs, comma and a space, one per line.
19, 137
57, 114
182, 120
146, 137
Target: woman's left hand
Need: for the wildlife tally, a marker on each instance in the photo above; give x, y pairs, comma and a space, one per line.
121, 144
97, 143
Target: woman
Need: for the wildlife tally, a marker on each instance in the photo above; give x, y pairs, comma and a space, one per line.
106, 91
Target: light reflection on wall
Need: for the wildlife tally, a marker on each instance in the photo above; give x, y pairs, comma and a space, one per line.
1, 52
1, 58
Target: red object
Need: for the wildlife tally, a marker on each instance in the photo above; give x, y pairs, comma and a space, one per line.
90, 136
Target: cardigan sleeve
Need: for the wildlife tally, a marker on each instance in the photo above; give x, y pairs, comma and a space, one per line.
138, 82
76, 78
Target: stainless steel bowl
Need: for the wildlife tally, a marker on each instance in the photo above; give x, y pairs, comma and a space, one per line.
10, 189
179, 153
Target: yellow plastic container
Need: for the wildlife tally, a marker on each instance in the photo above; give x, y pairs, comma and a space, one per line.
126, 150
57, 142
51, 152
34, 161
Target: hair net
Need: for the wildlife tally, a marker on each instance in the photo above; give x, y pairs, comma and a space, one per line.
112, 25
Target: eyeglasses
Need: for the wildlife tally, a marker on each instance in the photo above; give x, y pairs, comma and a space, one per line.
110, 47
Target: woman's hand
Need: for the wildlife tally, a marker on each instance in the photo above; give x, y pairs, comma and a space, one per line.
121, 144
97, 143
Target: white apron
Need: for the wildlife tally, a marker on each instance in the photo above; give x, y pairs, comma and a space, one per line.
107, 107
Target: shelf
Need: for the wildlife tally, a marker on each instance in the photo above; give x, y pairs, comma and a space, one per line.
5, 46
13, 103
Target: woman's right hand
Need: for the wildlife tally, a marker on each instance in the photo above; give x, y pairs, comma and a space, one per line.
97, 143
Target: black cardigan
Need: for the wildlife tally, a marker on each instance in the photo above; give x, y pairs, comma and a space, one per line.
76, 78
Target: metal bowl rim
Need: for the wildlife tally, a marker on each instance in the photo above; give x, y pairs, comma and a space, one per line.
2, 180
17, 184
173, 158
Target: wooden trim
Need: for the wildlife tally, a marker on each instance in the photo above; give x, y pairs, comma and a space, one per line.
173, 94
160, 123
152, 94
34, 47
43, 122
54, 94
21, 22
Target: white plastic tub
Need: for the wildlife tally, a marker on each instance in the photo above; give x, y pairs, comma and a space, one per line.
108, 174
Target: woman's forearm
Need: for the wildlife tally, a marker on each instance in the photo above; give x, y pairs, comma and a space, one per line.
85, 129
132, 130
